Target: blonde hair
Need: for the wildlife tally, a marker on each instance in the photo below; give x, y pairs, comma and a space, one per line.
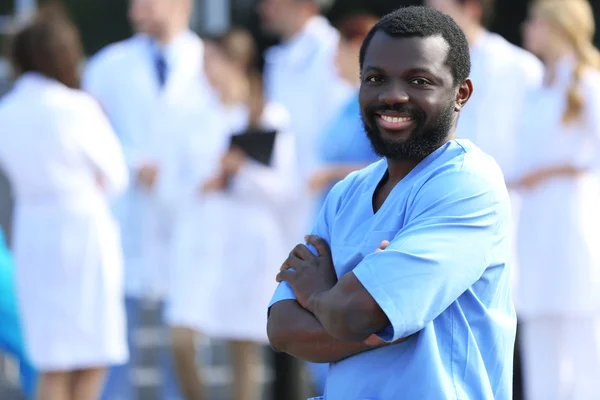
574, 19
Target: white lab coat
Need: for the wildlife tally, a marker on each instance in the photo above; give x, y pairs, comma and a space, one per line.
300, 74
235, 271
559, 257
502, 74
55, 141
559, 225
197, 231
151, 125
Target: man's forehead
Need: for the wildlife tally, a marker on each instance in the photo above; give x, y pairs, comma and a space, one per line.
385, 51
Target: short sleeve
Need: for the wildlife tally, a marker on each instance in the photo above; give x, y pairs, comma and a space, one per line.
455, 222
321, 229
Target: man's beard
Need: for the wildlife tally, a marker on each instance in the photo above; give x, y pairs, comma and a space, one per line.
421, 142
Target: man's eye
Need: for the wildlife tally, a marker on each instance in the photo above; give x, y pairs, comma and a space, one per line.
373, 79
420, 81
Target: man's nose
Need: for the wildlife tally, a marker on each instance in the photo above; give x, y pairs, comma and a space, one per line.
394, 93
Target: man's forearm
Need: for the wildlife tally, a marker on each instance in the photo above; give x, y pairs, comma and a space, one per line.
347, 311
295, 331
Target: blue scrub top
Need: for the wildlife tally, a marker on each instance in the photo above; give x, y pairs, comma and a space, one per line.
443, 282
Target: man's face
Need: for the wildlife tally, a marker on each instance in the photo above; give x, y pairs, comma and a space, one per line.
277, 14
408, 98
151, 16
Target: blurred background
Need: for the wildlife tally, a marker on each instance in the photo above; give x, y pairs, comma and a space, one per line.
103, 22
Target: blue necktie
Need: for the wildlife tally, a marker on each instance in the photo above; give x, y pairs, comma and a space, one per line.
161, 69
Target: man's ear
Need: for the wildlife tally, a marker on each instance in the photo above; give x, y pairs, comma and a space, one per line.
464, 93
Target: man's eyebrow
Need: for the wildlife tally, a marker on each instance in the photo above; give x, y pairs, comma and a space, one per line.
371, 68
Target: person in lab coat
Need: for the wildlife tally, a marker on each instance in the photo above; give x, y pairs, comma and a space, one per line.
559, 226
502, 75
300, 74
151, 86
64, 163
246, 201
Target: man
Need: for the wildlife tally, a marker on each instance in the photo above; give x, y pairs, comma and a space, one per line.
153, 88
300, 74
431, 316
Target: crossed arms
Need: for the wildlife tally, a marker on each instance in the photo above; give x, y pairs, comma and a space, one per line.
330, 320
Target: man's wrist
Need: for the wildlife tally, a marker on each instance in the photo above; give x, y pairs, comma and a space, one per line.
312, 304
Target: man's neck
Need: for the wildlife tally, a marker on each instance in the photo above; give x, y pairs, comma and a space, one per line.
397, 170
167, 37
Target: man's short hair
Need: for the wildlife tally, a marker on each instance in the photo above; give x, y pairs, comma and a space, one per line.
487, 10
420, 21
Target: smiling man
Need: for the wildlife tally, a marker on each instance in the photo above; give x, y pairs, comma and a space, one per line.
431, 316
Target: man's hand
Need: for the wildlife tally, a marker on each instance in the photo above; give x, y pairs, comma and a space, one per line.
384, 244
536, 178
147, 175
320, 180
216, 184
232, 161
311, 274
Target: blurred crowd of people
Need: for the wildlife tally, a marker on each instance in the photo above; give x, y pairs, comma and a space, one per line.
129, 185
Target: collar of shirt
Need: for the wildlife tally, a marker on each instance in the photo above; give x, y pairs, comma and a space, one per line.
35, 79
174, 51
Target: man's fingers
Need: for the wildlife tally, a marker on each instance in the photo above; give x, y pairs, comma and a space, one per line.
383, 246
302, 252
290, 262
285, 275
320, 244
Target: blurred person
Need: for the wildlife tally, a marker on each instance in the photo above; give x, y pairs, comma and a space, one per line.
300, 74
247, 199
64, 163
193, 255
430, 316
559, 257
151, 86
344, 146
11, 331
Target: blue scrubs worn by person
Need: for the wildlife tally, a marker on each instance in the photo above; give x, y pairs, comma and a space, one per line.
11, 336
430, 316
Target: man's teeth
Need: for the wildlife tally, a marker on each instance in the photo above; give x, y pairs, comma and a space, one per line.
394, 120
